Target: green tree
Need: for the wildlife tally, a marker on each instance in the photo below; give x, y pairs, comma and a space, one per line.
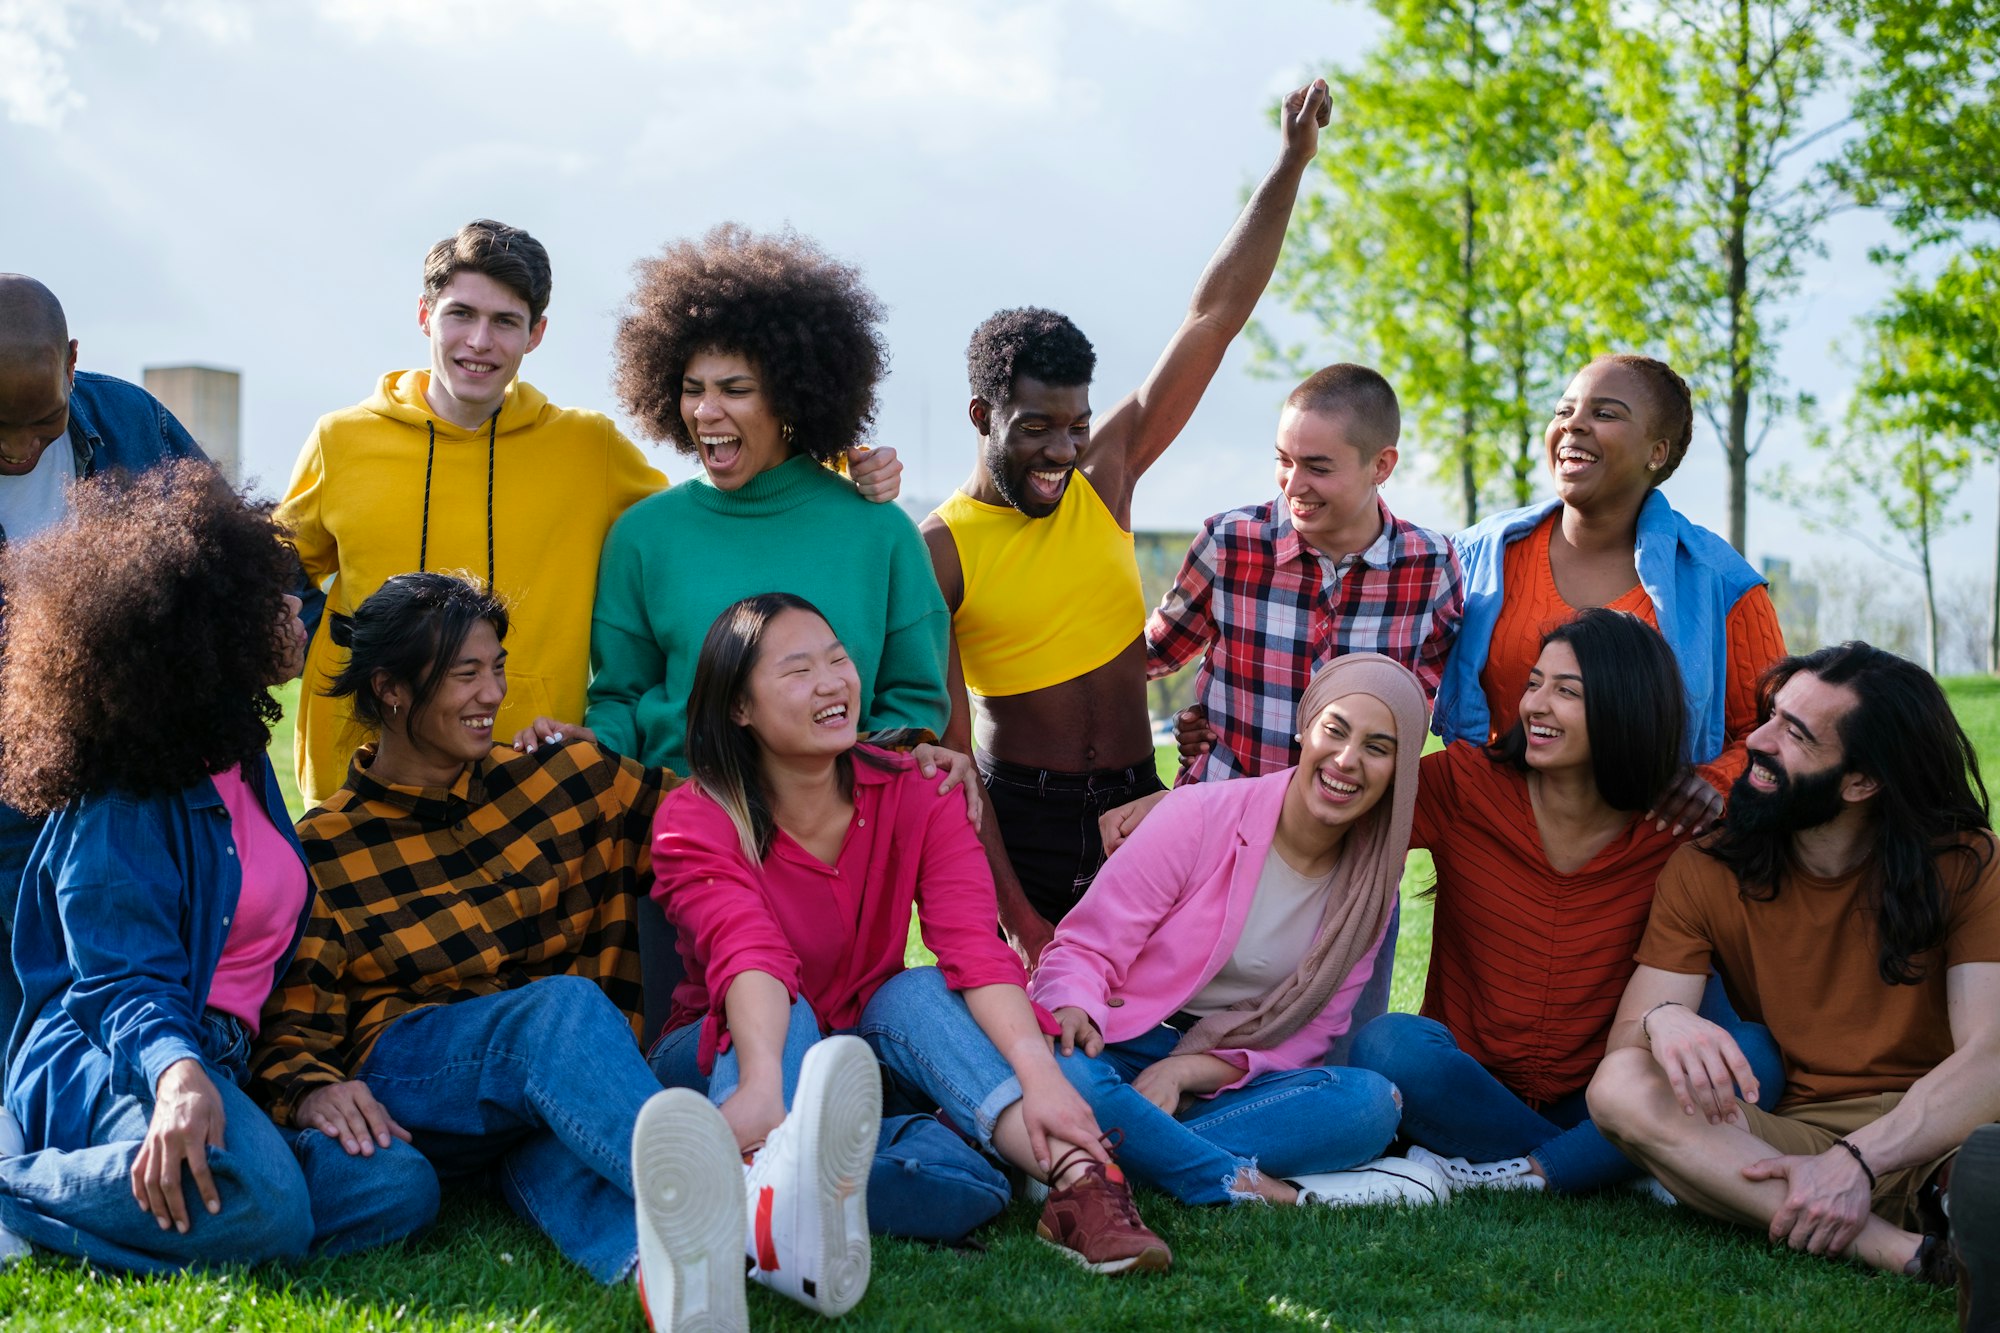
1721, 94
1902, 452
1457, 229
1953, 387
1928, 106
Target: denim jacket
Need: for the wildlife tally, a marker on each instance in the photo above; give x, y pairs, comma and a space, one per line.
1692, 576
124, 912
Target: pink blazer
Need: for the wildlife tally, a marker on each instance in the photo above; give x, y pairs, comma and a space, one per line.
1166, 912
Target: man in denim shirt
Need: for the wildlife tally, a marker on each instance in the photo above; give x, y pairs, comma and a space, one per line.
58, 425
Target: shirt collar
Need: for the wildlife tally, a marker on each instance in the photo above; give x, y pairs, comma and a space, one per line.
436, 806
1379, 554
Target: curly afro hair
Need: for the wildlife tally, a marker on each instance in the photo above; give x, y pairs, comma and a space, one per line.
801, 317
141, 639
1029, 341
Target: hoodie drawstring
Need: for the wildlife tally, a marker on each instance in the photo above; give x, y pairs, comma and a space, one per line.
430, 459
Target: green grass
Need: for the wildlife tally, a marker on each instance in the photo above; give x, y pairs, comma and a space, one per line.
1498, 1262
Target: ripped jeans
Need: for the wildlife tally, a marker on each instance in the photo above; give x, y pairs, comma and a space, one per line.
1285, 1123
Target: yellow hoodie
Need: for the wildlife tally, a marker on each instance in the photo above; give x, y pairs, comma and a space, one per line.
560, 476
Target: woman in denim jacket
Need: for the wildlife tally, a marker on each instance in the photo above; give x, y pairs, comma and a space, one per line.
163, 898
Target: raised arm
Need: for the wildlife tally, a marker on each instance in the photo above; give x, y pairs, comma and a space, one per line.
1130, 437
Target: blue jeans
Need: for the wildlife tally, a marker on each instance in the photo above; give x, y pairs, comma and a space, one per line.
1452, 1105
284, 1193
1285, 1123
926, 1183
541, 1085
17, 839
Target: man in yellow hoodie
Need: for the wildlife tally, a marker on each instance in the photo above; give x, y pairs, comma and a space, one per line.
464, 467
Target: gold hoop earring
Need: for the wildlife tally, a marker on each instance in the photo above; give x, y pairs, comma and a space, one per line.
785, 430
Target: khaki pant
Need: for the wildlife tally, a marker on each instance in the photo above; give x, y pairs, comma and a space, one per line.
1810, 1129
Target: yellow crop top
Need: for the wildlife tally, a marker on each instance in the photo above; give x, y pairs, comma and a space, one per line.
1046, 599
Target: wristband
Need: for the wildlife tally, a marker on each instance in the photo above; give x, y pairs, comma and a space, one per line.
1646, 1032
1855, 1153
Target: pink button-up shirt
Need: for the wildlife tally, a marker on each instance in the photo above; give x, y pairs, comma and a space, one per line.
833, 933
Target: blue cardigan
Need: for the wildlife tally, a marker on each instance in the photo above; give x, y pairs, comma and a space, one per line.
1693, 577
124, 910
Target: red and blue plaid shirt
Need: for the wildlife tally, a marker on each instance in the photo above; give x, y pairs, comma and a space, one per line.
1264, 609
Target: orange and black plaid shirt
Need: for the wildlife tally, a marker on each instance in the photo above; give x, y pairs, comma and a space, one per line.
526, 867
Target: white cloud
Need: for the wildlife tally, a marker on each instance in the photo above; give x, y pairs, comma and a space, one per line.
35, 37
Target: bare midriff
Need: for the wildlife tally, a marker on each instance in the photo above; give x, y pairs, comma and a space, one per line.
1097, 720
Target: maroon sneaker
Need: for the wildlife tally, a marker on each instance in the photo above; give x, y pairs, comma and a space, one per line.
1094, 1221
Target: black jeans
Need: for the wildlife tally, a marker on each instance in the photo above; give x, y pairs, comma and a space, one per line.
1048, 822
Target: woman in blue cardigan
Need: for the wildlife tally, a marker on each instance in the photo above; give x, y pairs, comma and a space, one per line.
163, 898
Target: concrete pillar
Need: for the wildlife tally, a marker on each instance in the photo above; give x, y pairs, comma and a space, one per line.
209, 402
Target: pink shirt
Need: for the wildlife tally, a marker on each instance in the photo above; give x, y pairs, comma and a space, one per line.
267, 910
833, 933
1166, 913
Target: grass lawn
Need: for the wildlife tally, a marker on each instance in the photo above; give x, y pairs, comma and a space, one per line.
1497, 1262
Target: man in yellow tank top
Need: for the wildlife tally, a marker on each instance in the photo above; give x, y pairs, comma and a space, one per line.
1034, 555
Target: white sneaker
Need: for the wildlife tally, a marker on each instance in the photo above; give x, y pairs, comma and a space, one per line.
12, 1144
686, 1184
808, 1186
1384, 1180
1649, 1187
1515, 1173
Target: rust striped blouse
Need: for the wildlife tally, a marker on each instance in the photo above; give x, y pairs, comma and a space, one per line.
1527, 964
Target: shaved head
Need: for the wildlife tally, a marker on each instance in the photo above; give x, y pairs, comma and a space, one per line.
31, 319
37, 366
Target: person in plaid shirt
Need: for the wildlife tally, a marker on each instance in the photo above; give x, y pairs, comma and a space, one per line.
469, 977
1271, 592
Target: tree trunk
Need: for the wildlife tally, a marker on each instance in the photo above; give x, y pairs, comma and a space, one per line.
1924, 555
1524, 452
1737, 248
1993, 626
1468, 424
1468, 475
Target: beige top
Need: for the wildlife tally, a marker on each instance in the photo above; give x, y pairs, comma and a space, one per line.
1279, 928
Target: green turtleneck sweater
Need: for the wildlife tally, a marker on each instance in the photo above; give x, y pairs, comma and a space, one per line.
674, 561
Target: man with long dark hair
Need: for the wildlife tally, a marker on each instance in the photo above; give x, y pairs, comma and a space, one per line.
1851, 902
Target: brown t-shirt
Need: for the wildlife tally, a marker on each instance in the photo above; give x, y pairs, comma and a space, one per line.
1804, 965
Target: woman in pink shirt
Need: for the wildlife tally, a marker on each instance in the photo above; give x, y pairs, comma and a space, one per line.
1202, 980
790, 867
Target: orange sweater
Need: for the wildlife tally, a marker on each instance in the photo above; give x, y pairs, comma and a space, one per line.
1533, 607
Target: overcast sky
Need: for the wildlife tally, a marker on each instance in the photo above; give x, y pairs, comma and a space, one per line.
254, 186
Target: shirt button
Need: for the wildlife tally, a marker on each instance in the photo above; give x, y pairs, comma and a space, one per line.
230, 850
1116, 1002
861, 823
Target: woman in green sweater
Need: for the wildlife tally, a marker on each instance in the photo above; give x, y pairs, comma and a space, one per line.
759, 356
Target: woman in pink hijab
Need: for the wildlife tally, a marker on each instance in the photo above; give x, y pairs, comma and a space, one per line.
1203, 978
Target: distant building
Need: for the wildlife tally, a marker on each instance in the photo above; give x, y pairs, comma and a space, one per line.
209, 402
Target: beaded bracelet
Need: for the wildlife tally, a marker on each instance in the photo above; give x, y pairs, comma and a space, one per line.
1855, 1153
1645, 1031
